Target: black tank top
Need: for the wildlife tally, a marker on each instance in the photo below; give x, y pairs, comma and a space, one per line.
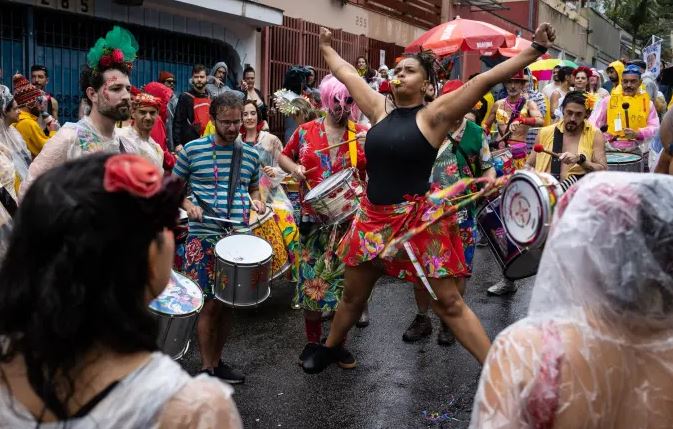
399, 158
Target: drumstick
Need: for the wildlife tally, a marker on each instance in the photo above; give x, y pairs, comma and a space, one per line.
539, 148
221, 219
336, 145
419, 269
252, 203
501, 139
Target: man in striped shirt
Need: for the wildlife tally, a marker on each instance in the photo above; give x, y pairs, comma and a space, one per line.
207, 164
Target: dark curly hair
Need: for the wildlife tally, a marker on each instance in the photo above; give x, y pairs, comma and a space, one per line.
75, 274
577, 97
428, 60
94, 77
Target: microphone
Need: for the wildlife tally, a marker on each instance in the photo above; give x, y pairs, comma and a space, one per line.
539, 148
626, 106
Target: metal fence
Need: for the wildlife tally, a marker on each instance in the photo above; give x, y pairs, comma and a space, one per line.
60, 42
296, 42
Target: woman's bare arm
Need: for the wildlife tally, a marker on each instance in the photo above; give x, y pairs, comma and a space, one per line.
370, 102
434, 121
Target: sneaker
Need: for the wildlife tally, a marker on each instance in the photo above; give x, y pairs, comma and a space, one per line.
363, 321
503, 287
445, 336
344, 358
483, 242
227, 373
319, 360
309, 349
421, 327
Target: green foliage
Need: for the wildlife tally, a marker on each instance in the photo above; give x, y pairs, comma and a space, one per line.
641, 18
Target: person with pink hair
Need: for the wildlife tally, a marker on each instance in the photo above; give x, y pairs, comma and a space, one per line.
321, 274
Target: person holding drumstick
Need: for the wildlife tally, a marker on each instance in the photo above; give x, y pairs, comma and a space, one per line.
224, 174
320, 272
401, 149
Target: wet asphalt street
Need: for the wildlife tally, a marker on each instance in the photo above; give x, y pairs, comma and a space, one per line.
395, 385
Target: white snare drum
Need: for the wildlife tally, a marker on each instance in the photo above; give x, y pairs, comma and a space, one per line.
242, 270
528, 203
177, 309
335, 199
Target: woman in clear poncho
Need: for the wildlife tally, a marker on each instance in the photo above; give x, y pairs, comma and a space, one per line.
596, 350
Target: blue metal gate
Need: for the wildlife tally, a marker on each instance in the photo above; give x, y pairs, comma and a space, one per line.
60, 41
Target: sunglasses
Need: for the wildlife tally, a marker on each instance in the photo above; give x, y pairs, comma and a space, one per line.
348, 100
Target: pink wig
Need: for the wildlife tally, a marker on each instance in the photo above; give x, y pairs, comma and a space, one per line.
333, 93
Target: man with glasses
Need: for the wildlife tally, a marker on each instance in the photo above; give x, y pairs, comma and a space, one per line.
212, 166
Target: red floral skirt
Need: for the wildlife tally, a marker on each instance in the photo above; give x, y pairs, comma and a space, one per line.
438, 248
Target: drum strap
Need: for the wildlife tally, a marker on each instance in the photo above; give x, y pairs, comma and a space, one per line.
557, 147
7, 202
234, 175
513, 116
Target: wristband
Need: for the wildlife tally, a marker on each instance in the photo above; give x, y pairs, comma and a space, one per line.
526, 121
535, 45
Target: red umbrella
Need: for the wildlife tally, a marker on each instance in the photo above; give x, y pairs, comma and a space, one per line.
519, 45
464, 35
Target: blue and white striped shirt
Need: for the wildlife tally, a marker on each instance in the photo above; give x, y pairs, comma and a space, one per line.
195, 165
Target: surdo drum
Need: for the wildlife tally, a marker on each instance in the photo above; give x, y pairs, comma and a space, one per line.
177, 309
242, 270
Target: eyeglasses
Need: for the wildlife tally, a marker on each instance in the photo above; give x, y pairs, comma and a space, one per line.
227, 124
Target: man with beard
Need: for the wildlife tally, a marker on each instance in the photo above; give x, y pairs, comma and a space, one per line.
514, 115
105, 84
614, 72
212, 166
581, 150
191, 112
30, 100
549, 89
321, 273
136, 138
629, 115
39, 76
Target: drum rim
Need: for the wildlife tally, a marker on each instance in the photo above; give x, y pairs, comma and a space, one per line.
250, 234
245, 265
620, 154
346, 172
537, 183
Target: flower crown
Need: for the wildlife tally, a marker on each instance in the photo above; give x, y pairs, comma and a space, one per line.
117, 47
590, 100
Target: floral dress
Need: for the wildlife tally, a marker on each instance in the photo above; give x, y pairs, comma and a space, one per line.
321, 272
269, 148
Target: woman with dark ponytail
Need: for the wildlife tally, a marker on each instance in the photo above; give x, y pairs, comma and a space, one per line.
401, 149
92, 245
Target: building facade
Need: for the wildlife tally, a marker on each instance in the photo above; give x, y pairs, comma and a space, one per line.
173, 35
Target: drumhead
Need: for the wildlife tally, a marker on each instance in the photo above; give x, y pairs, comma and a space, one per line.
522, 209
256, 219
243, 249
326, 185
181, 297
622, 157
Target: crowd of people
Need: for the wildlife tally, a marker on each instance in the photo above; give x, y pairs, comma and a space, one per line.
90, 211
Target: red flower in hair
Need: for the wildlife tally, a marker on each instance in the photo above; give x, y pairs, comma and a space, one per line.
132, 174
105, 61
117, 56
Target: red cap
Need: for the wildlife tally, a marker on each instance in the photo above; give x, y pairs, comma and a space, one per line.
518, 76
451, 85
164, 75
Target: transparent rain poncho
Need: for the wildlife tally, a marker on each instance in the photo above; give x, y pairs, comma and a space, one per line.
596, 349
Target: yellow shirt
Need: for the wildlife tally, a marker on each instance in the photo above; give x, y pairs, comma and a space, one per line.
31, 132
585, 146
639, 110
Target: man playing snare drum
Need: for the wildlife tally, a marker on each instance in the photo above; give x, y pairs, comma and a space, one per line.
580, 148
208, 165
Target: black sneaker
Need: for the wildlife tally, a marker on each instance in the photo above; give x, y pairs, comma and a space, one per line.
344, 358
483, 241
319, 360
309, 349
445, 337
228, 374
421, 327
